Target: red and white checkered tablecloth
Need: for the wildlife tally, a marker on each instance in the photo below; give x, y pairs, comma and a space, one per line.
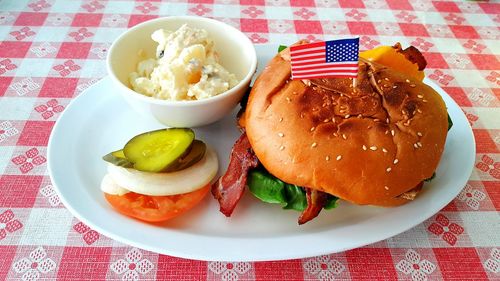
52, 50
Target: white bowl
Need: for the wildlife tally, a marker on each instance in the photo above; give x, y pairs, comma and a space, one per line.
237, 54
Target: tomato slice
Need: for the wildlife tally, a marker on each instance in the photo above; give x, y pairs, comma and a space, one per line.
155, 208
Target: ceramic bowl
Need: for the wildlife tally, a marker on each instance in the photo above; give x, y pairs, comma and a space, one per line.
237, 54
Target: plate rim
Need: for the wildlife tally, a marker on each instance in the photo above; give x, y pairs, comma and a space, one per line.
268, 257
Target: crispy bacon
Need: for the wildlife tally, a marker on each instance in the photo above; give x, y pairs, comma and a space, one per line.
316, 200
229, 188
412, 54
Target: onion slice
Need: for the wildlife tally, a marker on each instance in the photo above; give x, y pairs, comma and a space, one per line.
162, 184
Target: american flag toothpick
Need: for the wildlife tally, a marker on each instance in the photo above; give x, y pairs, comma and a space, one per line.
335, 58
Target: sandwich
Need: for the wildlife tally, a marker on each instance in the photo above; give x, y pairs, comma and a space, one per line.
369, 140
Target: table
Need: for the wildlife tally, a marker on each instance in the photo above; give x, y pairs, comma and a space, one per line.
52, 50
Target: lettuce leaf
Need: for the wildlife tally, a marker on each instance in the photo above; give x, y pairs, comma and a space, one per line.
450, 123
266, 188
296, 197
270, 189
431, 178
281, 48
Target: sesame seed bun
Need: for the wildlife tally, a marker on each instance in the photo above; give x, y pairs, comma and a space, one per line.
366, 140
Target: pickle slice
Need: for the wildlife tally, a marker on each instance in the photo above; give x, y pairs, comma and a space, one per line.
119, 154
195, 154
117, 158
157, 151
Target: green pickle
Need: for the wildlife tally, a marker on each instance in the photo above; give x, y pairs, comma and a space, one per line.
196, 153
118, 158
159, 151
119, 154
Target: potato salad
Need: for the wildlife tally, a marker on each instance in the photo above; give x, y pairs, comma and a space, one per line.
186, 67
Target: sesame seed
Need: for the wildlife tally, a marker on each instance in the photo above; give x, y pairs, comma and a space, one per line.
339, 157
282, 147
392, 133
386, 187
347, 116
403, 111
379, 81
387, 120
373, 148
376, 120
407, 80
388, 169
341, 95
344, 136
281, 119
314, 144
335, 134
395, 161
384, 150
419, 111
386, 132
415, 145
364, 147
312, 129
386, 85
288, 99
326, 120
424, 100
394, 87
419, 134
360, 116
420, 96
413, 85
327, 158
386, 79
281, 135
419, 144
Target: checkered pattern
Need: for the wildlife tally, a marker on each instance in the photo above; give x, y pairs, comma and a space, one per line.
52, 50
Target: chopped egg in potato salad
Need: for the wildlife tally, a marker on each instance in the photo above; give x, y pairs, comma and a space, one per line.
186, 67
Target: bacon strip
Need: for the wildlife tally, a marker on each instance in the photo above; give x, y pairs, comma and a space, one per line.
229, 188
412, 54
316, 200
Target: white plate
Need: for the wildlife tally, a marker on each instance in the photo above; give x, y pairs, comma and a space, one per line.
99, 121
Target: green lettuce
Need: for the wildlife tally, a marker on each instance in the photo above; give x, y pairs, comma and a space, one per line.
450, 123
431, 178
281, 48
270, 189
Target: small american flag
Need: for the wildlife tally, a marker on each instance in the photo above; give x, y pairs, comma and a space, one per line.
335, 58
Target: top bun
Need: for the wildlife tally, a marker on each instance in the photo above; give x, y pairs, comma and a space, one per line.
365, 140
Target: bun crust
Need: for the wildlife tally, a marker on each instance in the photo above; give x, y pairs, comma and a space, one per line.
364, 140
